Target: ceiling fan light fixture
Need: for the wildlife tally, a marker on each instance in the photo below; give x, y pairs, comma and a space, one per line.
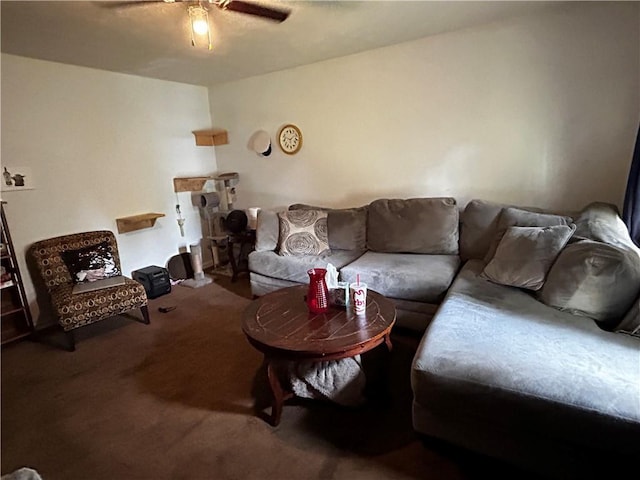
199, 18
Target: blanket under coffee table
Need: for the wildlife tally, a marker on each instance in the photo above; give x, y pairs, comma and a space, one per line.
282, 328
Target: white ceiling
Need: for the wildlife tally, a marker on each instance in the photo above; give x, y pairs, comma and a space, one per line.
153, 40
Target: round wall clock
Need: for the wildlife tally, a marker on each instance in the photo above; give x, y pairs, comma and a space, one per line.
290, 139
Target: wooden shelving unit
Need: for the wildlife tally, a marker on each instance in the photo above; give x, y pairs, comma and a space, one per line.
137, 222
190, 184
16, 317
204, 138
211, 137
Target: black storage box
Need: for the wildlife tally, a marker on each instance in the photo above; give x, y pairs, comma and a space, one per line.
154, 279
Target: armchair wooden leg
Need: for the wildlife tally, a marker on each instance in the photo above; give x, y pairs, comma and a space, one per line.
145, 314
71, 341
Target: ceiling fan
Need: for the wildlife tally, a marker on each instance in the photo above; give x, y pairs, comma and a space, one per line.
240, 6
199, 14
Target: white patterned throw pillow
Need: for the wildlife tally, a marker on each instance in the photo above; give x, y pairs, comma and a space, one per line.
303, 232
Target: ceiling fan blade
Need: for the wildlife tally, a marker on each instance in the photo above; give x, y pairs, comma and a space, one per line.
133, 3
257, 10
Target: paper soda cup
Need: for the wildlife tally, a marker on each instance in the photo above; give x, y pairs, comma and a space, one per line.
358, 297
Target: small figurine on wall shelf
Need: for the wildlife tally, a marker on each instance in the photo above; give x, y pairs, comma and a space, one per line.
17, 178
7, 177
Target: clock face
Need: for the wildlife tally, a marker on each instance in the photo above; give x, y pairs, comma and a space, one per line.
290, 139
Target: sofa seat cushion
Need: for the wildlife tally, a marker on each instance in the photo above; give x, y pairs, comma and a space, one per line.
497, 352
294, 268
262, 284
405, 276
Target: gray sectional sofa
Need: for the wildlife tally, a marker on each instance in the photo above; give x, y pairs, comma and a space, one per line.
531, 319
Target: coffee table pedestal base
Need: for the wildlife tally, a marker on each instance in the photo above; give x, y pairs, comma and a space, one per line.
280, 395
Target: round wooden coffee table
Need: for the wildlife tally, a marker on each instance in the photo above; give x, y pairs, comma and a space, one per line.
282, 328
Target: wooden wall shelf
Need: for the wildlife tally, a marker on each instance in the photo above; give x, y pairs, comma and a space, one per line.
211, 137
137, 222
190, 184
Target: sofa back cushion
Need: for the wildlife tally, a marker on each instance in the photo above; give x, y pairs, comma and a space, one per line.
479, 226
517, 217
415, 225
347, 227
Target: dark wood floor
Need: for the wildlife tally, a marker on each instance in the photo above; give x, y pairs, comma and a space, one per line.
240, 287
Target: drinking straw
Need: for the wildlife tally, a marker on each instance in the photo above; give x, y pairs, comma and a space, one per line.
358, 279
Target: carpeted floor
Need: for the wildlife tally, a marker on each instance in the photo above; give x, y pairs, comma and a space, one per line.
184, 398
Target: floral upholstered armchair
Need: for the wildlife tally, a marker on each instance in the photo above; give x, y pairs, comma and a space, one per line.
54, 260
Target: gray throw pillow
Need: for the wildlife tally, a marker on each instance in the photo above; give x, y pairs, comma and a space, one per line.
595, 280
516, 217
303, 232
267, 231
525, 255
347, 227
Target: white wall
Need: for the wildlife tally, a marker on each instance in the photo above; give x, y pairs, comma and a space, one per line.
540, 110
101, 146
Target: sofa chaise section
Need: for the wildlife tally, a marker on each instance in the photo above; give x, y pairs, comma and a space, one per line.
544, 385
503, 374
